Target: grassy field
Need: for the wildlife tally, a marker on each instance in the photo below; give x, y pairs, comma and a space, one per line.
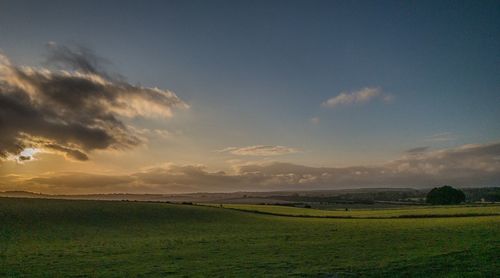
54, 238
410, 212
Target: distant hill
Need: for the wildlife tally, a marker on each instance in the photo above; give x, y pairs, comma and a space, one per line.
23, 194
359, 195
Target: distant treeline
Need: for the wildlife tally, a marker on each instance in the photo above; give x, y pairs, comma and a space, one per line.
361, 197
486, 194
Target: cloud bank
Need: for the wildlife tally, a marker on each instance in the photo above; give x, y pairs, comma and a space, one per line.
362, 96
74, 109
260, 150
468, 165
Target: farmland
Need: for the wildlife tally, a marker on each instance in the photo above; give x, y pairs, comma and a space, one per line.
404, 212
47, 238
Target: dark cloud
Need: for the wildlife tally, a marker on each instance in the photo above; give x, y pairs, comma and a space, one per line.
469, 165
78, 58
72, 111
417, 150
24, 158
71, 153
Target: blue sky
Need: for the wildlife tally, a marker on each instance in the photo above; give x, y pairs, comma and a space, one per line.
257, 72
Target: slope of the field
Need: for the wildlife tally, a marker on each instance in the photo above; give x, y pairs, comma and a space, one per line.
405, 212
60, 238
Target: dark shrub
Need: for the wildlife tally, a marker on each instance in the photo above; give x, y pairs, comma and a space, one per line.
445, 195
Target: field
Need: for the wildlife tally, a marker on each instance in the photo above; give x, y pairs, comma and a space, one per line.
404, 212
54, 238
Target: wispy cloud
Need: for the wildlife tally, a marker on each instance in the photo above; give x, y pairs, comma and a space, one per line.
441, 137
75, 109
417, 150
362, 96
315, 120
260, 150
146, 133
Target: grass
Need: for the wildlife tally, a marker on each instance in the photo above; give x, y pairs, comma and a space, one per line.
406, 212
55, 238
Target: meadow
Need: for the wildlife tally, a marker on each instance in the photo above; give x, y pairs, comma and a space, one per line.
402, 212
56, 238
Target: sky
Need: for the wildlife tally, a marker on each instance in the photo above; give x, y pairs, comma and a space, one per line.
189, 96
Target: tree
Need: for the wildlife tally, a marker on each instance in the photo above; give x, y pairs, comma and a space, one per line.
445, 195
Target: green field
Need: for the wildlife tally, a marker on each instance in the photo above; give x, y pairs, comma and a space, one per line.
55, 238
410, 212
